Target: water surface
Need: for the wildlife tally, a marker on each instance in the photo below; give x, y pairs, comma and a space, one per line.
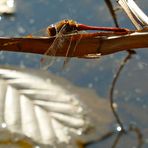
131, 91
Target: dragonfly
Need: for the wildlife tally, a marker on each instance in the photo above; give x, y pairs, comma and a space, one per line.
63, 28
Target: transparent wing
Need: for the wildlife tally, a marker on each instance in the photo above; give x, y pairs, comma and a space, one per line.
70, 51
41, 32
47, 61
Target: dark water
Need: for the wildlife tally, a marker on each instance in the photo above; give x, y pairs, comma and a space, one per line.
132, 88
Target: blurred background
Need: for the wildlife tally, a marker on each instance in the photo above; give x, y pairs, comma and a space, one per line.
131, 92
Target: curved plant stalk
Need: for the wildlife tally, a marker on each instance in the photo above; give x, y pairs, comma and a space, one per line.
122, 130
82, 144
116, 77
112, 12
135, 14
137, 131
132, 128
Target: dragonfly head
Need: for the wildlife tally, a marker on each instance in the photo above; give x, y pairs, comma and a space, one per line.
51, 31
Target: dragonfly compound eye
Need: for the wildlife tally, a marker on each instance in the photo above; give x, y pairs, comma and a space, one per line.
51, 31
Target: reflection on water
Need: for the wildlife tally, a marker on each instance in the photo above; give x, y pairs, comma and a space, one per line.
34, 101
131, 90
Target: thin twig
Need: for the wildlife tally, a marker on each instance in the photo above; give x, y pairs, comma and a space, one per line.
117, 139
113, 87
112, 12
132, 128
91, 142
120, 133
135, 129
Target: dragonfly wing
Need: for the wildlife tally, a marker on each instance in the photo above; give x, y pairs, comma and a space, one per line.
67, 59
70, 51
47, 61
41, 32
49, 57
